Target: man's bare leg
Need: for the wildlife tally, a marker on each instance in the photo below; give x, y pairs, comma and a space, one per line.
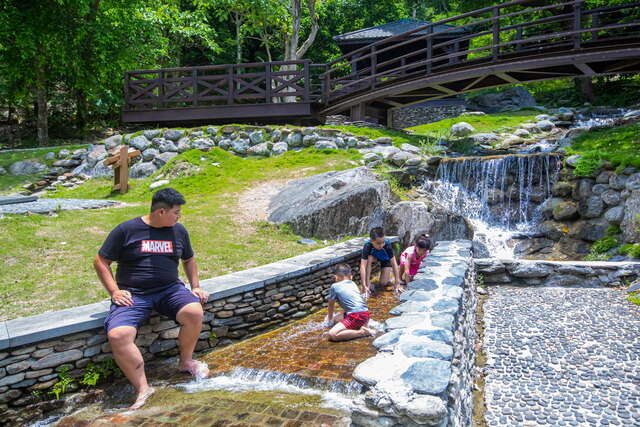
190, 318
385, 275
129, 359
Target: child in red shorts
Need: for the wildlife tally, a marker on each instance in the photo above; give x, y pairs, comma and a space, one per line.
353, 324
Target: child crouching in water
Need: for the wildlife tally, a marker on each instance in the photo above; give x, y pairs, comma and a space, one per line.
413, 256
380, 250
353, 324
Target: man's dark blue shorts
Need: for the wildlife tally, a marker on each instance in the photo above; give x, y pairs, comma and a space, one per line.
168, 302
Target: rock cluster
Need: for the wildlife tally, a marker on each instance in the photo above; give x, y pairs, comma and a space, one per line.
423, 372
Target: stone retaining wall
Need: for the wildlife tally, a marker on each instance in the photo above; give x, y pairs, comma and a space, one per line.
33, 350
423, 373
555, 273
413, 116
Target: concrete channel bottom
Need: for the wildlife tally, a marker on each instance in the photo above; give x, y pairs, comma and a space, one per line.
291, 376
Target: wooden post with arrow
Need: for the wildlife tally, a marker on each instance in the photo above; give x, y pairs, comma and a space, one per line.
120, 162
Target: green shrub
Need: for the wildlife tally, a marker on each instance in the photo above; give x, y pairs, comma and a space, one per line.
603, 245
613, 229
61, 386
587, 165
634, 298
630, 249
101, 371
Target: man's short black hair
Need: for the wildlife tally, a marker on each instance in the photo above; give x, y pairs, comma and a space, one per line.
343, 270
376, 233
166, 199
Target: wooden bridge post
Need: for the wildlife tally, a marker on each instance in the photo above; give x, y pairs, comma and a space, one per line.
577, 24
358, 112
429, 48
496, 33
267, 85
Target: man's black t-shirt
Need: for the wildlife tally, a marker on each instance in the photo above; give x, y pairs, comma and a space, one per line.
384, 254
148, 257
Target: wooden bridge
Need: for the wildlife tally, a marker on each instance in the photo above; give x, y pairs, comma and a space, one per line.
500, 45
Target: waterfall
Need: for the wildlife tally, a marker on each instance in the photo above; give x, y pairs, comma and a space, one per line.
499, 195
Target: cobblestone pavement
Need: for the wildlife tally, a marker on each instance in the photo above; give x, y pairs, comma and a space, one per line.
561, 357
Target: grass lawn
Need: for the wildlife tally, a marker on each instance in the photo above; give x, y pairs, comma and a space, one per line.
619, 145
11, 183
496, 122
48, 263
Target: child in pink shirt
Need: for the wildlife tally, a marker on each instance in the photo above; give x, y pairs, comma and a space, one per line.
412, 257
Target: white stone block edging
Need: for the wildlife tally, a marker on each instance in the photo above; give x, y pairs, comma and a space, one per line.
46, 326
423, 372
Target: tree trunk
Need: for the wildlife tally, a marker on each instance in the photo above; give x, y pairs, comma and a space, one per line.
81, 109
237, 20
42, 125
291, 50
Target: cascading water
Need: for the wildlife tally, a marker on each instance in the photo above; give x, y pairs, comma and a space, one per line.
498, 195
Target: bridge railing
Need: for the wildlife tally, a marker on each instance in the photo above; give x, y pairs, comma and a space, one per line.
217, 85
502, 32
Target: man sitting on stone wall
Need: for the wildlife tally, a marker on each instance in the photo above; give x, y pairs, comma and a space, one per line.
147, 250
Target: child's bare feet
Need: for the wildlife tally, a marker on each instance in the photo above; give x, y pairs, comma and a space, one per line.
194, 367
142, 398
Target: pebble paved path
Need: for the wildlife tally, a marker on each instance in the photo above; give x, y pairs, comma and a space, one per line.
561, 357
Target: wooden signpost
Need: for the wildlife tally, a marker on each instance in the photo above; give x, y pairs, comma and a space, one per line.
120, 162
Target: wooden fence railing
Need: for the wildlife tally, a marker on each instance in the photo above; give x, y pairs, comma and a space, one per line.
504, 32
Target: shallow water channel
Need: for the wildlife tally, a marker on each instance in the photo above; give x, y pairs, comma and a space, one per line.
291, 376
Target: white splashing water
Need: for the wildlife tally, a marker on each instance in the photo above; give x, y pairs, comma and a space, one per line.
498, 195
333, 395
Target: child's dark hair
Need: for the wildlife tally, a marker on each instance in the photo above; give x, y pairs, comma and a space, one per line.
343, 270
423, 241
166, 199
376, 233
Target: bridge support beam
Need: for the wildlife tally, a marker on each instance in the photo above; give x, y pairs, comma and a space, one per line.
358, 112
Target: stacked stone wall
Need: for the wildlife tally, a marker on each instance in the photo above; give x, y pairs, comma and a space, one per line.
241, 305
413, 116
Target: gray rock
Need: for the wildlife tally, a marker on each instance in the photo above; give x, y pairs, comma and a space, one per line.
447, 305
340, 142
442, 335
591, 207
545, 125
11, 379
400, 158
101, 171
26, 168
412, 162
163, 158
256, 137
56, 359
603, 178
562, 189
142, 170
204, 144
410, 307
69, 163
383, 140
50, 155
513, 98
159, 346
615, 215
633, 182
416, 295
631, 223
531, 127
280, 148
149, 154
406, 320
442, 320
184, 144
511, 140
429, 376
563, 280
174, 134
152, 133
522, 133
410, 148
461, 129
371, 157
294, 139
484, 138
168, 146
309, 140
431, 349
582, 190
140, 143
529, 269
240, 146
109, 143
389, 338
261, 149
547, 207
96, 155
373, 370
157, 184
598, 189
351, 141
592, 229
326, 144
618, 182
332, 204
224, 144
489, 266
211, 130
424, 410
423, 285
611, 197
564, 211
3, 171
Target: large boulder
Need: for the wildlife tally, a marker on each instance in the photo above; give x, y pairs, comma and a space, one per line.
462, 129
631, 223
142, 170
26, 168
509, 99
409, 219
332, 204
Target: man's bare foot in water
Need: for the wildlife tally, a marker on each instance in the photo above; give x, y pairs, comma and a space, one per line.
194, 367
142, 398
